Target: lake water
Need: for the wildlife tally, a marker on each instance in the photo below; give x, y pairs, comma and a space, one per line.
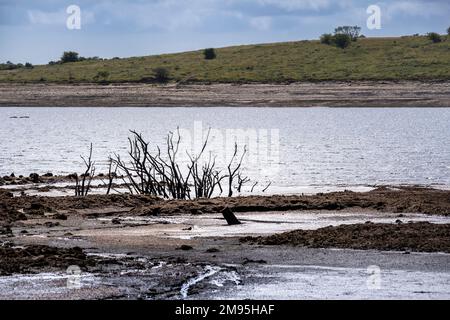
294, 148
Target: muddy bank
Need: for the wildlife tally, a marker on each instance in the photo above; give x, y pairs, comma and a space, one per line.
331, 94
48, 178
398, 200
417, 237
36, 258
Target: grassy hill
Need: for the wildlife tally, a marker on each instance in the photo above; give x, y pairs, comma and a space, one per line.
405, 58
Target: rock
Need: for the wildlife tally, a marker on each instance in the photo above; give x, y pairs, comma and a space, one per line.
230, 217
185, 247
153, 212
48, 174
247, 261
59, 216
50, 224
34, 178
115, 221
12, 175
212, 250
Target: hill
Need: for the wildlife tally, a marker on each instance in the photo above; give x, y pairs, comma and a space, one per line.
403, 58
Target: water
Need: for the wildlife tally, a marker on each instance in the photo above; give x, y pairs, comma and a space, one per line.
304, 282
311, 147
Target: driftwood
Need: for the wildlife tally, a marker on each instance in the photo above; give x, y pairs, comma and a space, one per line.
230, 217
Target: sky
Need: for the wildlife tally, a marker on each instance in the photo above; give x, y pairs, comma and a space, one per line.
37, 32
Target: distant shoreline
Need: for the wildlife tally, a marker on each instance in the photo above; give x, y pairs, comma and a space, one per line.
304, 94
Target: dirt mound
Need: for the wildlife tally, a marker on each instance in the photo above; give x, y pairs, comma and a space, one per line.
37, 257
422, 236
8, 213
15, 208
405, 199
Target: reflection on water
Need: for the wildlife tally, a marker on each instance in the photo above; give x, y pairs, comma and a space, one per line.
317, 146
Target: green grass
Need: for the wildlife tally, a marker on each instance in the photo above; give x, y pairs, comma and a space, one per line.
405, 58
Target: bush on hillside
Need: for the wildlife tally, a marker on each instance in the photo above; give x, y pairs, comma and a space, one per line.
161, 75
69, 56
352, 31
342, 40
209, 54
326, 38
435, 37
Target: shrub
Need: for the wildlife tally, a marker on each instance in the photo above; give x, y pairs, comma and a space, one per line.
10, 66
342, 40
101, 76
161, 75
29, 65
351, 31
209, 54
69, 56
448, 31
326, 38
435, 37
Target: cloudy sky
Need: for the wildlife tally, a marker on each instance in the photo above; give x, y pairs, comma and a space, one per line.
36, 31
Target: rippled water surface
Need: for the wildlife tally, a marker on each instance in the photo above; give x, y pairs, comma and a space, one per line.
309, 147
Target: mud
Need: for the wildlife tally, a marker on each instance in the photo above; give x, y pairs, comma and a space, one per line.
397, 200
418, 237
35, 258
140, 247
332, 94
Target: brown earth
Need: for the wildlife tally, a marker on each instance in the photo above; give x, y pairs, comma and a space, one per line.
399, 200
36, 257
418, 237
330, 94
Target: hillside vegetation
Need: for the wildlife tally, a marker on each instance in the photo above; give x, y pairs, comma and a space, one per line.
405, 58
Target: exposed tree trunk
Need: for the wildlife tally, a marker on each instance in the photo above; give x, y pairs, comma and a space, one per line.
230, 217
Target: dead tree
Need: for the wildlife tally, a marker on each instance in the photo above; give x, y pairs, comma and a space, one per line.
207, 178
230, 217
241, 181
152, 173
82, 187
233, 172
112, 174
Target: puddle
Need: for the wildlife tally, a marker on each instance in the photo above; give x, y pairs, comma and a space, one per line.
300, 282
217, 277
46, 285
213, 225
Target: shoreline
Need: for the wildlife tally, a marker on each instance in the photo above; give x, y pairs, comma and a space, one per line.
173, 244
308, 94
